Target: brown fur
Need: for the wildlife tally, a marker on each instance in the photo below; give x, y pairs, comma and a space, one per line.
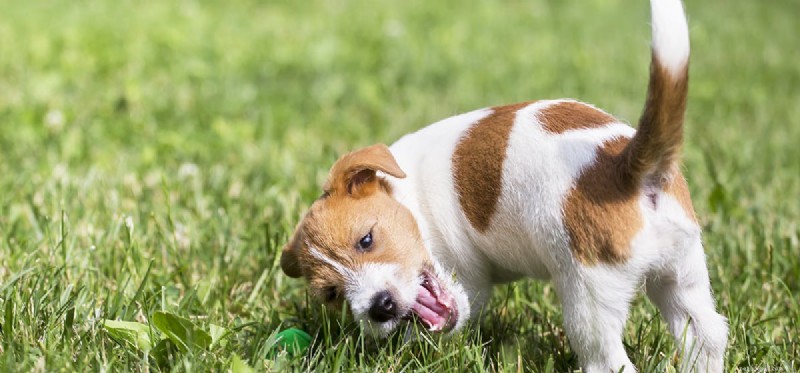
565, 116
356, 202
601, 212
478, 164
655, 149
354, 171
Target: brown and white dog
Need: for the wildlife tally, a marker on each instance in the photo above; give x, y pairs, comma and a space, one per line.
555, 190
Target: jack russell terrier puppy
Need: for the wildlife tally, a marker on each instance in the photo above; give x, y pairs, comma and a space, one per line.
560, 190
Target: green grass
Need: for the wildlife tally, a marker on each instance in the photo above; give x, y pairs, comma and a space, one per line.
155, 156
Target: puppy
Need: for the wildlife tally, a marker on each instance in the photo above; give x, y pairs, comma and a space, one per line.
555, 190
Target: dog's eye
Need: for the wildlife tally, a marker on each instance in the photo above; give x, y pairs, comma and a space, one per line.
365, 242
331, 293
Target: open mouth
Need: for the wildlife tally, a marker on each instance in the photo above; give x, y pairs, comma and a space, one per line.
434, 306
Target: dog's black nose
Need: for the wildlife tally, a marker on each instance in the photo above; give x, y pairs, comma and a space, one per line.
383, 307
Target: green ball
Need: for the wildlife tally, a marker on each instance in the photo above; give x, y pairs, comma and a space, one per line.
294, 341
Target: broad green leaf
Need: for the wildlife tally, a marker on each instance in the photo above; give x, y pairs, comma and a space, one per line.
184, 333
239, 366
133, 333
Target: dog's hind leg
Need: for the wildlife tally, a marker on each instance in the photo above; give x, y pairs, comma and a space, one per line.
595, 303
682, 293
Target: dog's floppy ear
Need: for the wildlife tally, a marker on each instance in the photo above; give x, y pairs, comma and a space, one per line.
290, 261
355, 173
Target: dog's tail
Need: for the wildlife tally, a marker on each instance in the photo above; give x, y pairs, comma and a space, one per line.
654, 150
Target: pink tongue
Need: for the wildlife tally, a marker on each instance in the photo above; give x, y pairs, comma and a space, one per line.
430, 310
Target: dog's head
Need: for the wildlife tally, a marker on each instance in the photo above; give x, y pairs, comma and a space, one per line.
360, 245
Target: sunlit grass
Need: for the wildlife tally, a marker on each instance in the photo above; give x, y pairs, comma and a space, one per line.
155, 156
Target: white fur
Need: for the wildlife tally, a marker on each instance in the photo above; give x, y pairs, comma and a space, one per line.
670, 34
678, 285
344, 271
364, 283
361, 286
432, 187
547, 164
372, 278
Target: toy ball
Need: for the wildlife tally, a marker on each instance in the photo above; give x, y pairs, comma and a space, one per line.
294, 341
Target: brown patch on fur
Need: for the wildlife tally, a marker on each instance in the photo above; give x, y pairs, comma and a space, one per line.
569, 115
680, 190
601, 212
478, 164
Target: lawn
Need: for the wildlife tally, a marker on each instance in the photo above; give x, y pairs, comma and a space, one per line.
154, 157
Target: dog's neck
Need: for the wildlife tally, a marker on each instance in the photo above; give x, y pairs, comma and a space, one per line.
449, 248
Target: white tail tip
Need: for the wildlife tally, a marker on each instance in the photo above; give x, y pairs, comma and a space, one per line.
670, 34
